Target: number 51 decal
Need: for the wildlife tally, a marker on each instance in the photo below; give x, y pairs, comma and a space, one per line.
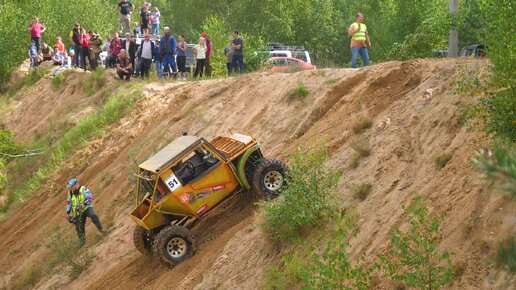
172, 182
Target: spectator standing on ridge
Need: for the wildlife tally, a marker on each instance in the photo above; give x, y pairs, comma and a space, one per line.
36, 29
125, 8
124, 68
74, 39
238, 52
228, 53
145, 55
182, 46
168, 50
144, 18
207, 67
95, 49
200, 56
85, 48
359, 36
33, 53
114, 49
155, 21
79, 206
158, 61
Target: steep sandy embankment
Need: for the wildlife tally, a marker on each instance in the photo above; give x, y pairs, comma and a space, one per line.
415, 118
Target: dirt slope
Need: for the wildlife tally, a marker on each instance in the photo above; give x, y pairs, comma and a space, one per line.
415, 118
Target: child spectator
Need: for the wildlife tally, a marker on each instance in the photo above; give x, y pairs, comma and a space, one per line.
137, 30
33, 53
155, 21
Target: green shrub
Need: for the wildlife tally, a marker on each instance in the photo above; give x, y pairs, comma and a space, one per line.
31, 276
355, 160
361, 191
442, 159
499, 164
67, 251
332, 267
292, 272
414, 257
94, 81
506, 254
306, 200
360, 125
300, 92
33, 76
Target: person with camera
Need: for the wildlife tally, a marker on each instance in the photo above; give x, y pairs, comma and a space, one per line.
78, 207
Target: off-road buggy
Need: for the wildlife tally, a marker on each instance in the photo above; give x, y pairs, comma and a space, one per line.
188, 178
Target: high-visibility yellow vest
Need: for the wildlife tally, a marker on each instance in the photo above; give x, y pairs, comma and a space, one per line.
78, 200
360, 35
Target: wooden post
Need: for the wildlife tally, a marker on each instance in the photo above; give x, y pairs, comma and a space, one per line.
453, 40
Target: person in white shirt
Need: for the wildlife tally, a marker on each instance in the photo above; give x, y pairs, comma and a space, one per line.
200, 55
145, 55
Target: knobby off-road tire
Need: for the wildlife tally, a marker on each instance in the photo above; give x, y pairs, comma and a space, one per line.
173, 245
142, 241
269, 178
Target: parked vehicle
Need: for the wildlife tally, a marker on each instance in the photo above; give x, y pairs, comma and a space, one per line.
288, 64
280, 50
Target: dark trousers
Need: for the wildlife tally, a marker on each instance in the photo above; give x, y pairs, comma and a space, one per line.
77, 55
85, 54
36, 41
181, 63
199, 67
228, 66
237, 59
80, 223
145, 65
207, 67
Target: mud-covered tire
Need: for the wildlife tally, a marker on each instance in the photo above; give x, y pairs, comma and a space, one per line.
142, 241
269, 177
173, 245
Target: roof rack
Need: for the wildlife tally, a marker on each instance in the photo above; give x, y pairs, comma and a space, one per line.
279, 46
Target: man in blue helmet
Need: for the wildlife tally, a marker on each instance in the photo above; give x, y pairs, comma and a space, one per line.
79, 206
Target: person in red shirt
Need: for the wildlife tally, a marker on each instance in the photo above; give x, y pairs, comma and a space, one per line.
84, 38
207, 66
114, 49
36, 29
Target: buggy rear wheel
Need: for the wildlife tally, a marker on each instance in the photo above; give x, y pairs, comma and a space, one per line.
173, 245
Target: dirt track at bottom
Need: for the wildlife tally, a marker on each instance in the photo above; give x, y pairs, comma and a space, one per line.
415, 117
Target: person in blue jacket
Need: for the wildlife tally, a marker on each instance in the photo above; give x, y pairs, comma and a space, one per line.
168, 50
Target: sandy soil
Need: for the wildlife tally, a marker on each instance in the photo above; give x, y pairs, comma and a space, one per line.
415, 115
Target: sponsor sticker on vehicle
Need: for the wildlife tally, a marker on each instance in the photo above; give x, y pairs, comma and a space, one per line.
201, 210
185, 198
203, 194
218, 187
172, 182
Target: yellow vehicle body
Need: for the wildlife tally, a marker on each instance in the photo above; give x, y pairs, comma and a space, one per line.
189, 177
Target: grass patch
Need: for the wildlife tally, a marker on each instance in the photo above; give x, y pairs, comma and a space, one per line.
31, 276
95, 81
332, 81
506, 254
362, 149
34, 75
442, 159
298, 93
87, 128
288, 275
306, 201
360, 125
362, 190
59, 79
